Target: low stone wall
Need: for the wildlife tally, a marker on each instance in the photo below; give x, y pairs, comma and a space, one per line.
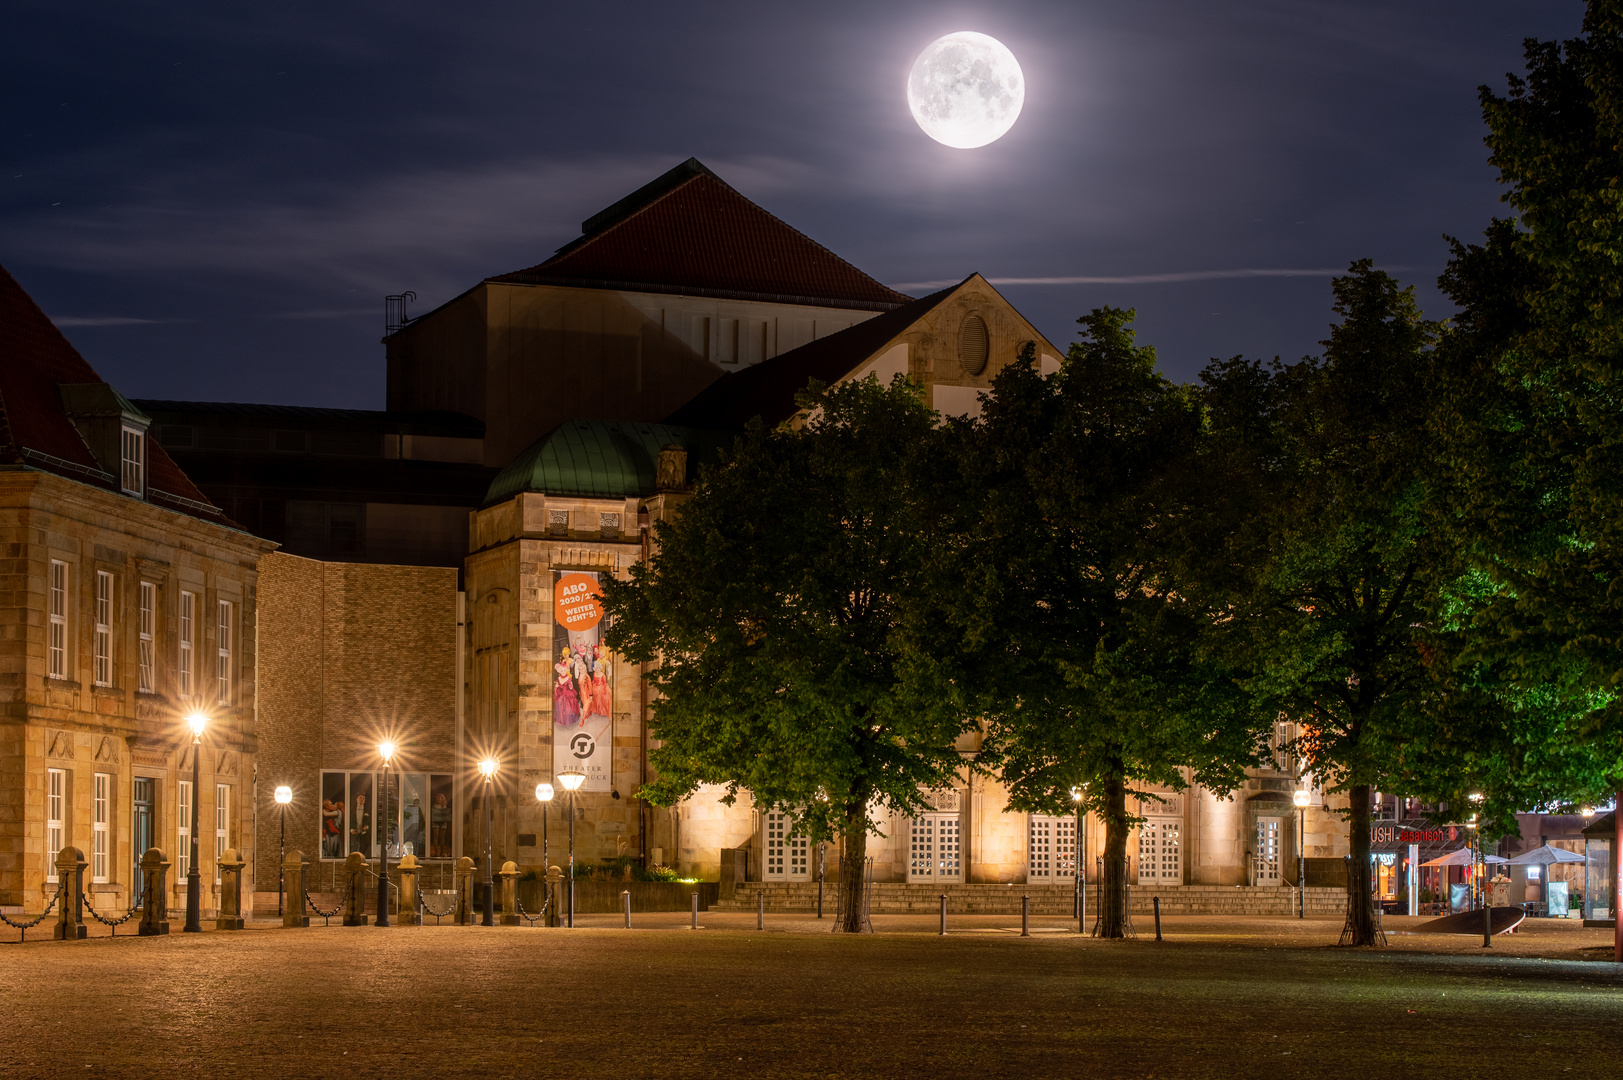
896, 898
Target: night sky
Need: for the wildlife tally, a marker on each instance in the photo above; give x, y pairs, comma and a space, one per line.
213, 199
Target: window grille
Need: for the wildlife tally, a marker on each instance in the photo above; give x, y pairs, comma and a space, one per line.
558, 522
56, 782
973, 345
98, 833
610, 525
104, 629
149, 613
57, 646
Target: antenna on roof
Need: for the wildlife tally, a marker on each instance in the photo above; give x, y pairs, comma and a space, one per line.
394, 311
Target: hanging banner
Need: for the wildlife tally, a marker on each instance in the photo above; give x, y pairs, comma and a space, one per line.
582, 687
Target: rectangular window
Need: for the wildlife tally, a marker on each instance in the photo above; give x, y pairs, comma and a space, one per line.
142, 837
224, 640
134, 461
98, 827
149, 621
56, 782
57, 646
1050, 849
183, 831
222, 823
1160, 852
104, 629
417, 819
188, 642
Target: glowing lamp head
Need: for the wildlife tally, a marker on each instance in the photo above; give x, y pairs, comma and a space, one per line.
197, 722
1302, 798
284, 794
543, 792
571, 779
1475, 796
487, 768
386, 749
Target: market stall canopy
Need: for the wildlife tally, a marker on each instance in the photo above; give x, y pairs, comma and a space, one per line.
1462, 857
1546, 855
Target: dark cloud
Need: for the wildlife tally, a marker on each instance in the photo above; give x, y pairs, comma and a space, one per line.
215, 199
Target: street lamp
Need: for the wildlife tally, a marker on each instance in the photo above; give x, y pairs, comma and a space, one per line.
487, 769
543, 795
1301, 797
194, 883
386, 751
284, 795
571, 779
1079, 899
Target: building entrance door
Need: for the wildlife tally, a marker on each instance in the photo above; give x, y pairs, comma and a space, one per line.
788, 858
934, 849
1266, 857
140, 831
1050, 849
1160, 852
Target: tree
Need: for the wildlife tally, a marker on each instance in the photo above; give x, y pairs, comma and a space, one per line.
1329, 572
1093, 677
776, 613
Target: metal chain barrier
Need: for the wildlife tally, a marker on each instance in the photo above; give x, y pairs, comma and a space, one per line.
27, 926
518, 902
104, 920
422, 898
325, 914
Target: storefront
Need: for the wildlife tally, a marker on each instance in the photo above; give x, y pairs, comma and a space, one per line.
1398, 850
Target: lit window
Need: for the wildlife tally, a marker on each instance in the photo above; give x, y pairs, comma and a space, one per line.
222, 819
104, 628
224, 667
56, 782
57, 650
134, 461
188, 641
183, 831
149, 619
98, 833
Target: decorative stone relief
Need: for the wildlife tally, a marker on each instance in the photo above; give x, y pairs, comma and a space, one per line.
107, 749
59, 744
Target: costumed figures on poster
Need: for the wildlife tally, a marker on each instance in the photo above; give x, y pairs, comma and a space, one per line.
582, 690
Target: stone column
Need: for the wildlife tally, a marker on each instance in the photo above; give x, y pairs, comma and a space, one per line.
555, 895
154, 901
509, 874
229, 914
354, 892
293, 881
464, 891
70, 873
411, 913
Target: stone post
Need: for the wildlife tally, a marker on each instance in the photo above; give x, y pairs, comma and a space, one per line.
293, 881
70, 872
353, 893
229, 915
555, 877
509, 874
464, 891
411, 913
154, 901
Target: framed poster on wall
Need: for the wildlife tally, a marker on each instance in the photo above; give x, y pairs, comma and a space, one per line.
583, 682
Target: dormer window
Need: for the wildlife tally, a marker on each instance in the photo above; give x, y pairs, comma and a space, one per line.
133, 473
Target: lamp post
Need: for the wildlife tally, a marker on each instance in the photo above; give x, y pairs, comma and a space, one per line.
543, 795
1079, 899
284, 795
487, 769
571, 779
1301, 797
194, 882
386, 751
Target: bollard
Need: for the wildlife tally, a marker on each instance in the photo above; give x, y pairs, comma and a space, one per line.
1156, 900
509, 874
70, 872
293, 878
694, 925
411, 907
154, 901
555, 877
1487, 923
943, 914
229, 914
760, 910
1025, 916
354, 910
625, 900
464, 891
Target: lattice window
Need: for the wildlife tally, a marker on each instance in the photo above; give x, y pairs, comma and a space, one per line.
935, 848
1051, 849
56, 783
1160, 852
149, 619
222, 823
133, 461
99, 810
949, 864
921, 849
183, 829
57, 645
1267, 852
188, 642
788, 857
223, 667
103, 638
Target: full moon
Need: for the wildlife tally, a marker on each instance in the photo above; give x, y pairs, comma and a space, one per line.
966, 90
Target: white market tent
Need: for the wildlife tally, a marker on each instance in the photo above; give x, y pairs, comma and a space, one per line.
1460, 857
1545, 856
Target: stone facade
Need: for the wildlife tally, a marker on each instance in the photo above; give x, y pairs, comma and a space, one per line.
116, 752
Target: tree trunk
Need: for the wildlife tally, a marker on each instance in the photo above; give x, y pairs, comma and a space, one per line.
853, 869
1113, 887
1360, 886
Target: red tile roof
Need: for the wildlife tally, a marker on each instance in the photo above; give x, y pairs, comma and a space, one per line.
690, 232
35, 429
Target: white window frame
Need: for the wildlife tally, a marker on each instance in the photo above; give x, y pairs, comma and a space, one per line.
788, 857
187, 669
57, 642
1160, 851
133, 461
223, 641
100, 813
935, 848
1050, 849
183, 829
56, 806
148, 635
103, 638
222, 824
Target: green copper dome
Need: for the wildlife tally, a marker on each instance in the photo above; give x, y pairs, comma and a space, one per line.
606, 459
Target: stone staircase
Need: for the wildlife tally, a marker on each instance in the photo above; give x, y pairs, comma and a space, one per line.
899, 898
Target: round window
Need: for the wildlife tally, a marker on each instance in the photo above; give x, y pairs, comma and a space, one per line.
972, 345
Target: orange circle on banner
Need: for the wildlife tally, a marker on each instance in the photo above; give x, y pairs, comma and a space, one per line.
577, 602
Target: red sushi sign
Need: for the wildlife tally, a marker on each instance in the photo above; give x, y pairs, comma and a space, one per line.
577, 602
